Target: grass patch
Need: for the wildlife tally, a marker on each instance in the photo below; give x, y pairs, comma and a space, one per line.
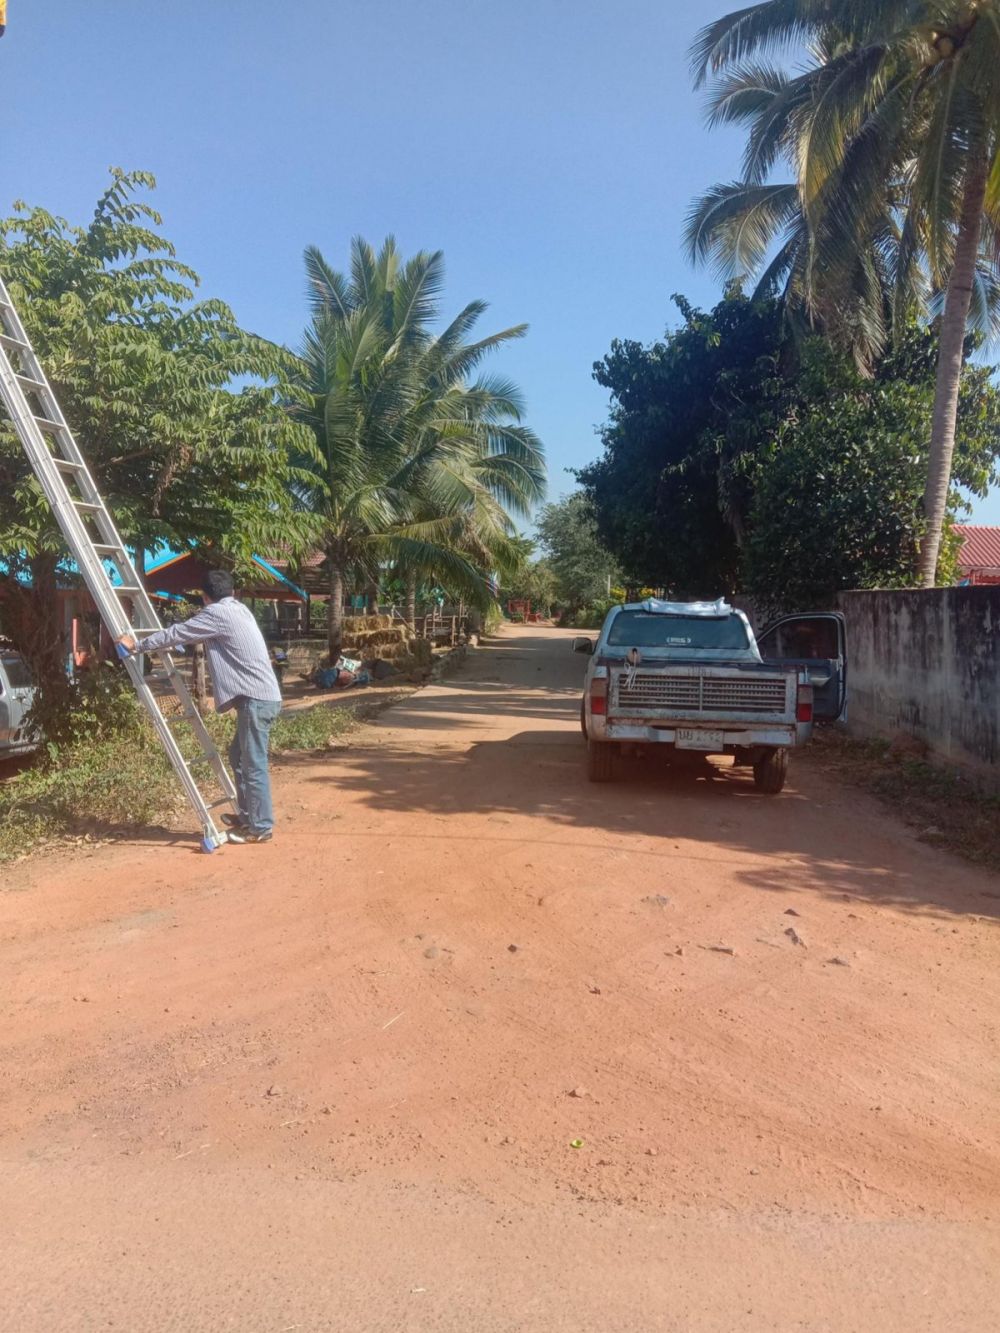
96, 787
946, 807
311, 728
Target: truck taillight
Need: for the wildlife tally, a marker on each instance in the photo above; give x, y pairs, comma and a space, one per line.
804, 706
599, 695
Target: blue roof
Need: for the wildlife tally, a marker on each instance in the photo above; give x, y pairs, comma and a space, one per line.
158, 558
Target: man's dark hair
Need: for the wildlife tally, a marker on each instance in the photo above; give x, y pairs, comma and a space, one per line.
218, 583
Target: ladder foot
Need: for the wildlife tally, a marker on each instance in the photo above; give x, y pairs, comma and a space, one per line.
209, 845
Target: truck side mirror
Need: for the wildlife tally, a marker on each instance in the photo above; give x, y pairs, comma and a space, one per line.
583, 645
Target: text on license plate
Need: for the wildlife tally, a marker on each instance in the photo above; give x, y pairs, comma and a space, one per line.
692, 739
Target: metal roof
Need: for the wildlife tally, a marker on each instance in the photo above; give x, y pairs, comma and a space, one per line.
980, 546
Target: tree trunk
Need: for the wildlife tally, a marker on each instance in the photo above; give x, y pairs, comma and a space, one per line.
371, 598
335, 613
410, 608
32, 619
951, 350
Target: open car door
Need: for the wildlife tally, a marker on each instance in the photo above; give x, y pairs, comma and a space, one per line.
817, 642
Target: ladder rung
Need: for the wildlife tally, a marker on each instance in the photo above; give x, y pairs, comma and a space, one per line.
126, 589
44, 423
7, 341
103, 548
34, 385
67, 465
224, 800
87, 508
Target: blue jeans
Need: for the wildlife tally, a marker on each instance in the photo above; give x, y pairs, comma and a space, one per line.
248, 760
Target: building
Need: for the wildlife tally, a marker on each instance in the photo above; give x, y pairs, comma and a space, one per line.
979, 558
172, 579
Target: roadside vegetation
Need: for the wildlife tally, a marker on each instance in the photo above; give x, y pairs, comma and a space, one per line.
819, 428
566, 572
743, 458
381, 443
112, 776
945, 807
888, 128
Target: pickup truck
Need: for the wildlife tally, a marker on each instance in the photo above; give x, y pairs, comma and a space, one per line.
691, 675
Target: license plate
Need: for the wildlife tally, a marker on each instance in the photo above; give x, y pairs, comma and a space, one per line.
690, 739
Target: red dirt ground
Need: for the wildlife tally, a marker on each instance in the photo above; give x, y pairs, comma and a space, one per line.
333, 1082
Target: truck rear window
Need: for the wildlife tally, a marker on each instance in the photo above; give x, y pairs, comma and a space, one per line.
644, 629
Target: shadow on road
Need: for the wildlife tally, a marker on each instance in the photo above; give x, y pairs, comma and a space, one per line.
793, 843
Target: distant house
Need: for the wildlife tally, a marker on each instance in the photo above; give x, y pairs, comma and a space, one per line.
979, 558
171, 577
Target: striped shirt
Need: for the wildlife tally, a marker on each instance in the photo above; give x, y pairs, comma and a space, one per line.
235, 650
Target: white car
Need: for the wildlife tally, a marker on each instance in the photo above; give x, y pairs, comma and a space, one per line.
17, 694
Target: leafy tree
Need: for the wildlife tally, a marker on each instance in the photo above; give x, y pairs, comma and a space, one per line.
146, 377
533, 581
716, 477
837, 492
894, 133
415, 466
670, 492
580, 565
469, 434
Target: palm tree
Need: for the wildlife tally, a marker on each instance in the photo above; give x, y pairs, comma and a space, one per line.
892, 132
413, 455
475, 466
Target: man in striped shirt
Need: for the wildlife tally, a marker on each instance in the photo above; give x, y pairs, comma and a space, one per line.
242, 679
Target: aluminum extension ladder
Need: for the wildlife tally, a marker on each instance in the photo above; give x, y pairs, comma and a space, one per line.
94, 542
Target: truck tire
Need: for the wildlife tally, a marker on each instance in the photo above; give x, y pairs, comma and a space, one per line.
583, 717
769, 772
600, 761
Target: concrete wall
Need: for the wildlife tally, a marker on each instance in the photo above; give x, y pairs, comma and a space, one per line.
927, 663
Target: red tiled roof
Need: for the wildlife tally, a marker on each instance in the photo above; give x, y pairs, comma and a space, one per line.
980, 546
312, 561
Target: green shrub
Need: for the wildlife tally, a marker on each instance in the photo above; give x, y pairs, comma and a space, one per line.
120, 783
592, 615
310, 728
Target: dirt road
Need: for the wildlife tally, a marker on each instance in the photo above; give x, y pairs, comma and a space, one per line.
335, 1082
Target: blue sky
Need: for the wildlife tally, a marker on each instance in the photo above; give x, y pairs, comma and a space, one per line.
549, 147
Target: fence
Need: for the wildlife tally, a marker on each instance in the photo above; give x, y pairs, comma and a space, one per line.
927, 663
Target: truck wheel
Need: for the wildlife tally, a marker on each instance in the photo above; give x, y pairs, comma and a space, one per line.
600, 761
583, 717
769, 773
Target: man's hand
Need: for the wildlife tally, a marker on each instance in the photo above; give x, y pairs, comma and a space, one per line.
127, 641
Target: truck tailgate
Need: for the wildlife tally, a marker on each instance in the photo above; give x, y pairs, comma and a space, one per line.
703, 692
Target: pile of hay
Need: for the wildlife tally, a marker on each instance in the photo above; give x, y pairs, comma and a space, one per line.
364, 624
371, 638
380, 637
